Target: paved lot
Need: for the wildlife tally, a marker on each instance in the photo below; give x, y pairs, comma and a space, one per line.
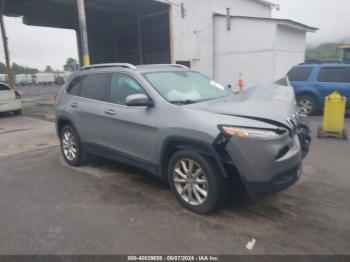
38, 101
108, 208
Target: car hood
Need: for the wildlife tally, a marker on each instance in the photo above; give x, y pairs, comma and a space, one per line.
273, 104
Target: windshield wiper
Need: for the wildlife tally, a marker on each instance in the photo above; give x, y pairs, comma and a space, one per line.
185, 102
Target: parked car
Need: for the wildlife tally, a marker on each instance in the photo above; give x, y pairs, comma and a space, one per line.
312, 82
10, 100
184, 127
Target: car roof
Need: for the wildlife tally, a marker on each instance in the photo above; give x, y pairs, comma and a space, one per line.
110, 68
330, 64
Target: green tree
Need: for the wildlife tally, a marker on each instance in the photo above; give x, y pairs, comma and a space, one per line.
71, 64
3, 68
48, 69
18, 69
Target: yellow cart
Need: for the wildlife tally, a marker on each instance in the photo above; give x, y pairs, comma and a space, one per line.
334, 117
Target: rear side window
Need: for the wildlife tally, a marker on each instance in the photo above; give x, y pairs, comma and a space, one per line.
75, 86
300, 73
95, 87
4, 87
334, 75
347, 75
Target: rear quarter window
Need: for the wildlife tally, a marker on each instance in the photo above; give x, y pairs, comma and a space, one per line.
300, 73
75, 86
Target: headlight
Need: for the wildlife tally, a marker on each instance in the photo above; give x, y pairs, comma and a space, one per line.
249, 132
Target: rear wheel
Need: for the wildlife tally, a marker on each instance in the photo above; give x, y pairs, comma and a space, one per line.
195, 181
307, 105
345, 134
320, 133
71, 147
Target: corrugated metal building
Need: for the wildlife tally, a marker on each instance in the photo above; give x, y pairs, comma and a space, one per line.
199, 33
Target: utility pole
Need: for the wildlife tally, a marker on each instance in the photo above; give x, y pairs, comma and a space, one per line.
83, 32
5, 44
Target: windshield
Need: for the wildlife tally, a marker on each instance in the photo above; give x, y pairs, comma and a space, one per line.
184, 87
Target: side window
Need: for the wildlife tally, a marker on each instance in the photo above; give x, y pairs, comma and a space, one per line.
4, 87
95, 87
332, 75
75, 86
347, 75
300, 73
122, 86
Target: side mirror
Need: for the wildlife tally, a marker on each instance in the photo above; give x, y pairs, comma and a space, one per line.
139, 100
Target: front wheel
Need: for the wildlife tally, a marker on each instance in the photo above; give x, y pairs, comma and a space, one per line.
70, 146
307, 105
195, 181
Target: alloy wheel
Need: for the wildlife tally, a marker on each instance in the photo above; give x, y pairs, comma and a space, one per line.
191, 182
305, 106
69, 145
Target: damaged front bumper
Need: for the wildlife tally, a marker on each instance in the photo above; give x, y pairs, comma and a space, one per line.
270, 164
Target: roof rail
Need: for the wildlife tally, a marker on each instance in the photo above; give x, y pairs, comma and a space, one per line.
329, 61
170, 65
125, 65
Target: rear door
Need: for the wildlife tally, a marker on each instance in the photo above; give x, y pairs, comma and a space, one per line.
87, 108
331, 79
6, 94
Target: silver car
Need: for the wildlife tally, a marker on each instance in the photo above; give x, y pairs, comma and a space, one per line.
182, 126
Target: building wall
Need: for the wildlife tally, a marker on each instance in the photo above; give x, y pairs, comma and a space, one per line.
262, 50
248, 48
193, 34
290, 49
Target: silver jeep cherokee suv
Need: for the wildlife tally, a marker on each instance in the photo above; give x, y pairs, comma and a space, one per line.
184, 127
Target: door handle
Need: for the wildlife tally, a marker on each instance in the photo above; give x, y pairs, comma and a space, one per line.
110, 112
317, 85
75, 105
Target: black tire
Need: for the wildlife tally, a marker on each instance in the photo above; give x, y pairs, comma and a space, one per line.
345, 134
320, 133
216, 183
311, 101
18, 112
80, 156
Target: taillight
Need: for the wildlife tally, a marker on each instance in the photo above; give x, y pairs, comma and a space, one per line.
18, 95
56, 97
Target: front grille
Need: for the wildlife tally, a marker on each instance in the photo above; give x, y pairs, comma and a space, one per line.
293, 122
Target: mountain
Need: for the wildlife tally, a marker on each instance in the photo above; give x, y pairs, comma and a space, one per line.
324, 51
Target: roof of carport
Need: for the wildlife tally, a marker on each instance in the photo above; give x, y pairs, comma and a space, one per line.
286, 22
63, 14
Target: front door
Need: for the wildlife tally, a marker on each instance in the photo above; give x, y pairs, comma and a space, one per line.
131, 131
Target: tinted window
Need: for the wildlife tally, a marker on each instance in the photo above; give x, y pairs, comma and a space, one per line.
95, 87
347, 75
122, 86
332, 75
4, 87
300, 73
75, 86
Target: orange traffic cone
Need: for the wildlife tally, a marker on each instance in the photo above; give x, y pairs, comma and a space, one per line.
241, 83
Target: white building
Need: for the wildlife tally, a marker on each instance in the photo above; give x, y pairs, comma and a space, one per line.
221, 38
248, 41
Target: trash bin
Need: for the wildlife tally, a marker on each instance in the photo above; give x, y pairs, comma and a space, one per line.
334, 117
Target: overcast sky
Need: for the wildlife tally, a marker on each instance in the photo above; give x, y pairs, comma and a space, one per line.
38, 47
